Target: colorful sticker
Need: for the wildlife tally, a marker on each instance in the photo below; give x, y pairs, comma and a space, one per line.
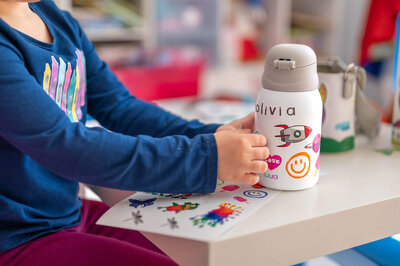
175, 207
316, 166
293, 134
343, 126
298, 165
229, 188
323, 92
172, 195
258, 185
220, 182
273, 161
272, 176
256, 194
315, 145
136, 203
219, 216
240, 199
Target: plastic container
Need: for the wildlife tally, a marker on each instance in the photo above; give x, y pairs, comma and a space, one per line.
161, 82
338, 91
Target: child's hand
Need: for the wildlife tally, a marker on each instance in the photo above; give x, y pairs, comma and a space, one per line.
241, 155
243, 123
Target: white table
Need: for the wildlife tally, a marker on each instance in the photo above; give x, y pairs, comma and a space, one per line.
356, 201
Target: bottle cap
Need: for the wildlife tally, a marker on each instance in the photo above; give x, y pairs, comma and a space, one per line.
290, 67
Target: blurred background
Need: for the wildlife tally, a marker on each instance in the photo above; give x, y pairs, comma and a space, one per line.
216, 48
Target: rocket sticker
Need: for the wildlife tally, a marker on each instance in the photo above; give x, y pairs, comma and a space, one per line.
293, 134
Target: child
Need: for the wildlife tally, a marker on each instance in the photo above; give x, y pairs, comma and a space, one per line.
50, 78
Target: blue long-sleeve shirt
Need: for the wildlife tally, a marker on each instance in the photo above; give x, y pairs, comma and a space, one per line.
46, 91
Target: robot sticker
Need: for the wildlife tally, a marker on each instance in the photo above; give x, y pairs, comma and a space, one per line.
293, 134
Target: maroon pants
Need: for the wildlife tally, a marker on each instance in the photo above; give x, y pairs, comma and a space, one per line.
88, 244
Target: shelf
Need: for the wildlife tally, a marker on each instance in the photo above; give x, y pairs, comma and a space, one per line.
311, 21
118, 35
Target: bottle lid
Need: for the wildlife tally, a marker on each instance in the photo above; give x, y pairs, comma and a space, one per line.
290, 67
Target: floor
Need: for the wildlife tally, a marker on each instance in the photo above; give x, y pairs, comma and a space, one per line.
347, 257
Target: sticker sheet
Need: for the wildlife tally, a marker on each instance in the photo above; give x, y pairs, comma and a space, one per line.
204, 217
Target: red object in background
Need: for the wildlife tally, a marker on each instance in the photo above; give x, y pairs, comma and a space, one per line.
161, 82
380, 25
248, 50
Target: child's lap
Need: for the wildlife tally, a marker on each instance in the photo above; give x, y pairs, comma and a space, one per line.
88, 244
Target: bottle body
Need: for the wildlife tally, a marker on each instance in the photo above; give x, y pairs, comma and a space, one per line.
291, 121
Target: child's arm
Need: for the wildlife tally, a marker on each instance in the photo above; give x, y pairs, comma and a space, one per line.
33, 123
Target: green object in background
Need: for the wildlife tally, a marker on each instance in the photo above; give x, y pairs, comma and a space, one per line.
385, 151
396, 144
331, 145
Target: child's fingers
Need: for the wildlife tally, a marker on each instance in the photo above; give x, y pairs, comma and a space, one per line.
257, 140
260, 153
249, 178
258, 167
248, 121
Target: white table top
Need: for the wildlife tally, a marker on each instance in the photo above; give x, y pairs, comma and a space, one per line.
356, 201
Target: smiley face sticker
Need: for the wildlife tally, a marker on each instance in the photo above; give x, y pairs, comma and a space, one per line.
298, 165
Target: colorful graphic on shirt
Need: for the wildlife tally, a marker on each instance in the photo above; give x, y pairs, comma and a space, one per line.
175, 207
217, 216
67, 85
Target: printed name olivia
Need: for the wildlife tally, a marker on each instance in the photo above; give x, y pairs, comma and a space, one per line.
274, 110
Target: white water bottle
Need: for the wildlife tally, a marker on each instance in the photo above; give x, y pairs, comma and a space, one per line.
289, 114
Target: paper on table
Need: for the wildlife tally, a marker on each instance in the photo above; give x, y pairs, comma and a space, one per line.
204, 217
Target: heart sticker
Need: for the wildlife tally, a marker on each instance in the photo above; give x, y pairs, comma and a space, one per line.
273, 161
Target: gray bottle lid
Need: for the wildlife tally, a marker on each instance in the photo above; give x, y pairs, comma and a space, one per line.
290, 67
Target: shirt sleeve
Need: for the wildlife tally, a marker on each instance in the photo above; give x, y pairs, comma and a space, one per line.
35, 125
111, 104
